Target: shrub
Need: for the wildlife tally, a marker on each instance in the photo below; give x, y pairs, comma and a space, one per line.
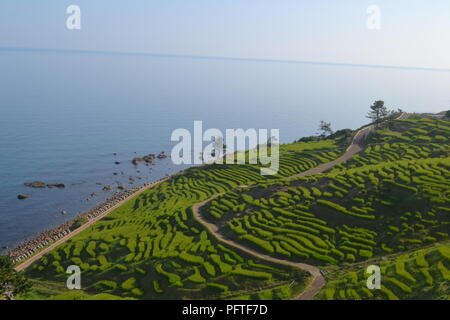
365, 254
259, 242
224, 267
344, 210
196, 277
173, 278
218, 286
191, 258
209, 268
405, 288
105, 285
350, 257
157, 287
252, 273
137, 292
129, 284
78, 223
401, 271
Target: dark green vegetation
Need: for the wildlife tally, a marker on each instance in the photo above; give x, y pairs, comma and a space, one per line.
392, 197
78, 223
11, 282
378, 111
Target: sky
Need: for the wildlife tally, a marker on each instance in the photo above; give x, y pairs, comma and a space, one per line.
412, 33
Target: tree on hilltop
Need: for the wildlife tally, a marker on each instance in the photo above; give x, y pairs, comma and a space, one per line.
378, 111
325, 129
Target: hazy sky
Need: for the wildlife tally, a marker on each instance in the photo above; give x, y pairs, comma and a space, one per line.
413, 32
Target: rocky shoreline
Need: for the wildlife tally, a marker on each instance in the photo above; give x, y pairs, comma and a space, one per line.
29, 247
149, 159
47, 237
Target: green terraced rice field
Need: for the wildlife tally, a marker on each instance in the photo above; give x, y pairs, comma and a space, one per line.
421, 274
391, 198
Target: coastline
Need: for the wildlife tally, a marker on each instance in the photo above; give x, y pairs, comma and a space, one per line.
32, 250
26, 252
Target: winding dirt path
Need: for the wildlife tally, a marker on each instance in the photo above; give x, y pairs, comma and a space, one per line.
355, 147
60, 241
317, 280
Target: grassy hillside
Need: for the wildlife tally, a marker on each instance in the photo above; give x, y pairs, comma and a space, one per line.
392, 197
421, 274
417, 138
341, 217
151, 248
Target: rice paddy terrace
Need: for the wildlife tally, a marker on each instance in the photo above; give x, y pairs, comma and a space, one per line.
420, 274
390, 199
152, 248
343, 217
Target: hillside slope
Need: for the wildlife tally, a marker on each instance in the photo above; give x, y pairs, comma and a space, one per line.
420, 274
392, 197
152, 248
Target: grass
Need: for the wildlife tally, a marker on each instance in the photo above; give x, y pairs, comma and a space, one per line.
391, 198
343, 229
154, 240
420, 274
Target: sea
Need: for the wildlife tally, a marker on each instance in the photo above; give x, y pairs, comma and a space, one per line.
70, 116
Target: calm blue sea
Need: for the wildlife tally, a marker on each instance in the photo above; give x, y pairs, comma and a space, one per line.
63, 115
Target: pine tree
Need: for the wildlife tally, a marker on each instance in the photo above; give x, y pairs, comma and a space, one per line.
11, 282
378, 111
325, 129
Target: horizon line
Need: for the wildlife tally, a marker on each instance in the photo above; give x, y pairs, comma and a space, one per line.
201, 57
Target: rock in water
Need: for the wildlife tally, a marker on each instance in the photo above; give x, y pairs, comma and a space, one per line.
35, 184
149, 158
136, 161
162, 155
56, 185
40, 184
22, 196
